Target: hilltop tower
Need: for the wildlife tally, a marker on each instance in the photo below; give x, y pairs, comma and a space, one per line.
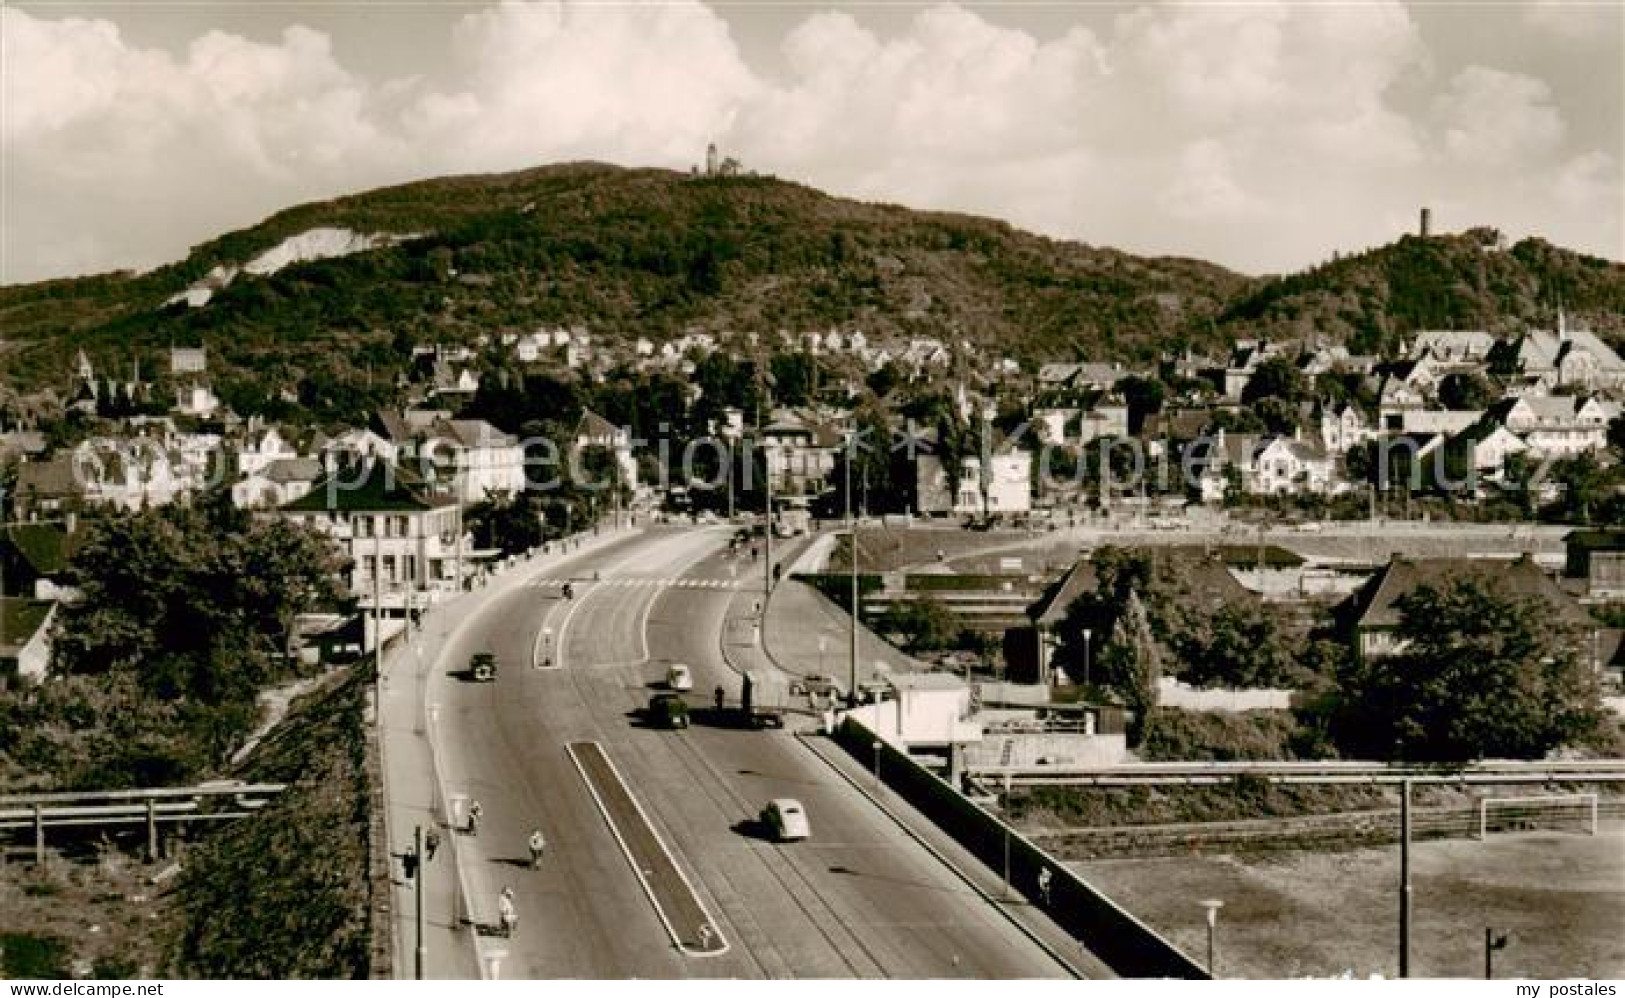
711, 160
1427, 222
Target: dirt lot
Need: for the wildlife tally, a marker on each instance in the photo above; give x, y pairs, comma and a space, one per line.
1562, 897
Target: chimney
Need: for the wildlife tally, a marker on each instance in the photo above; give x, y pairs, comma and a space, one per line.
1427, 222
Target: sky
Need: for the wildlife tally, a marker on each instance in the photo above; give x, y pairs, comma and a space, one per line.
1263, 135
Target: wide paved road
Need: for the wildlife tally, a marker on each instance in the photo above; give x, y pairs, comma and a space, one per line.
860, 899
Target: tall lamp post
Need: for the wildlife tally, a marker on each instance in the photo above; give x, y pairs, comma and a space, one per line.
1087, 634
422, 951
1212, 905
1405, 879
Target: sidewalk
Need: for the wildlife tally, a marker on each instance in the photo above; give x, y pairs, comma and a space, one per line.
412, 788
799, 617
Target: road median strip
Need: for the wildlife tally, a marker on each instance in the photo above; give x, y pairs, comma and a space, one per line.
677, 904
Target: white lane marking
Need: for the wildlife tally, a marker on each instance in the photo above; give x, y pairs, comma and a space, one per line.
644, 875
643, 625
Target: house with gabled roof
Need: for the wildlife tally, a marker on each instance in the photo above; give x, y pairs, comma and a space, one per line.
1554, 425
1375, 614
1454, 347
1485, 447
1288, 464
400, 533
1574, 358
480, 460
25, 638
593, 430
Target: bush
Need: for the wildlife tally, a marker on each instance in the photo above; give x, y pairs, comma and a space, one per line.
1200, 736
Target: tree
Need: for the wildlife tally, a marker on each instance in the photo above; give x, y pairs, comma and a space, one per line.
1237, 646
1131, 666
1277, 377
1278, 415
1483, 673
1144, 397
1586, 486
1464, 390
1616, 435
924, 624
794, 378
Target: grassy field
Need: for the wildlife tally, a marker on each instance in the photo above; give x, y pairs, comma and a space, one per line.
1560, 895
97, 917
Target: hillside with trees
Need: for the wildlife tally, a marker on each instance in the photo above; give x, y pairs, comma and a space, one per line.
638, 252
627, 253
1470, 280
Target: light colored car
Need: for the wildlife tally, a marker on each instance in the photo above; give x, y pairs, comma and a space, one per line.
785, 820
679, 677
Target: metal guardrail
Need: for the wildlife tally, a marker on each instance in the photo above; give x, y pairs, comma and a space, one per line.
1197, 774
151, 806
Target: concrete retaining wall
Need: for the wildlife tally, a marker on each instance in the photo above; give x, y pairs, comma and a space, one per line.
1124, 943
1173, 693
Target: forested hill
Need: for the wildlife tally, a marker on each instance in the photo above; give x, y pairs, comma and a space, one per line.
1470, 280
653, 253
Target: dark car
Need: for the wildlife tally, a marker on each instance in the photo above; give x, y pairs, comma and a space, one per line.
483, 667
667, 710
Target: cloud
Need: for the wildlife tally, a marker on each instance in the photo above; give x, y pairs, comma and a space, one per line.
1574, 21
549, 80
1493, 118
1261, 135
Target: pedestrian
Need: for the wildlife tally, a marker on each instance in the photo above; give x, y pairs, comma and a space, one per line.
506, 915
431, 842
537, 844
475, 812
720, 696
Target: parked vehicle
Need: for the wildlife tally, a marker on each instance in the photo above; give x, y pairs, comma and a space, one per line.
667, 710
820, 685
785, 820
483, 667
764, 697
679, 677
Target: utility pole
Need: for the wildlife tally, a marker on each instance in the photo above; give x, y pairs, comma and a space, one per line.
377, 597
767, 486
852, 528
1405, 880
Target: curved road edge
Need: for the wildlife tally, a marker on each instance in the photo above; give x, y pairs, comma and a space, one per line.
413, 790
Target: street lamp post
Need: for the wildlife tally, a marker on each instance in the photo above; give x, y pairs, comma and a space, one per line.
1405, 880
417, 862
1212, 905
1087, 634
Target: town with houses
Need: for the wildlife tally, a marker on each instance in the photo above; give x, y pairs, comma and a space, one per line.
1485, 417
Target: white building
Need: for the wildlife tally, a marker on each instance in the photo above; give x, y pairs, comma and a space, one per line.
480, 460
1284, 464
1009, 484
1556, 425
399, 534
277, 484
258, 450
